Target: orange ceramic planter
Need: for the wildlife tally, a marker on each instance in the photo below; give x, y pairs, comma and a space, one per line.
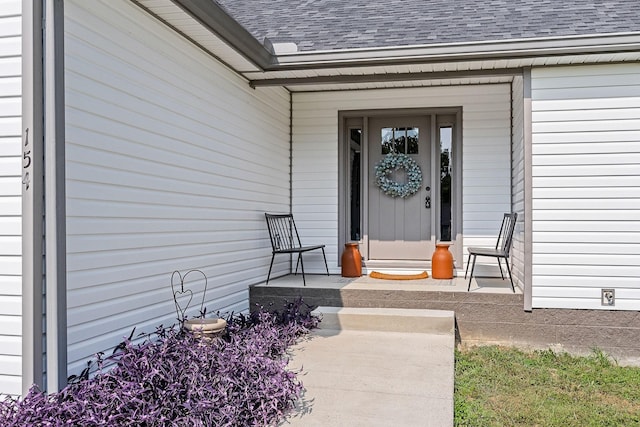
351, 260
442, 262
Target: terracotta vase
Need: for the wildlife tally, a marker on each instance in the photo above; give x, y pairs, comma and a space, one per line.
351, 260
442, 262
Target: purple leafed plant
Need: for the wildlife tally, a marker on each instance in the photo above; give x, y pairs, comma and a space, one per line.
174, 379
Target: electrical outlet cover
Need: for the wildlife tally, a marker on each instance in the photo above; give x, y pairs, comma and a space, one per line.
608, 297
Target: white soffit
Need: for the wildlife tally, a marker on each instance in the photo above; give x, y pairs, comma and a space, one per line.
419, 75
399, 84
487, 65
167, 12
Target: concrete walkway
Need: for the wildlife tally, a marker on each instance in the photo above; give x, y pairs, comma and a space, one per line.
376, 367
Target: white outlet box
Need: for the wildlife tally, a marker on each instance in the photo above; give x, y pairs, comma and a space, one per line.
608, 297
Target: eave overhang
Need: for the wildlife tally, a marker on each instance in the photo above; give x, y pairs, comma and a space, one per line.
383, 77
220, 23
496, 59
215, 19
469, 51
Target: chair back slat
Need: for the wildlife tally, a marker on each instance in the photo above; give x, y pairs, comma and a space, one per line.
282, 232
505, 237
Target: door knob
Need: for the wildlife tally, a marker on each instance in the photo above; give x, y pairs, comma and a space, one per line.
427, 202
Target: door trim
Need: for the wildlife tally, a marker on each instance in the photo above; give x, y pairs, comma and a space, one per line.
361, 117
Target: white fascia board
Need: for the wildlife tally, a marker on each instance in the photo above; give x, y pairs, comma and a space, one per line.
499, 49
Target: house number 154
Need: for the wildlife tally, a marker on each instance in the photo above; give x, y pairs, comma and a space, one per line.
26, 157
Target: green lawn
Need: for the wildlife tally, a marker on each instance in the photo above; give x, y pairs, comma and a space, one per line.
498, 386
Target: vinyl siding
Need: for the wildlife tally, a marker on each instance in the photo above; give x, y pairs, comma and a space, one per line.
586, 185
517, 178
171, 161
10, 197
486, 157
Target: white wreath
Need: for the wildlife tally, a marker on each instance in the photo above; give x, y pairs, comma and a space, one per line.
392, 162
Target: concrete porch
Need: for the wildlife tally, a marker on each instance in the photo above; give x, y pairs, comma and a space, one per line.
481, 309
490, 313
483, 285
364, 291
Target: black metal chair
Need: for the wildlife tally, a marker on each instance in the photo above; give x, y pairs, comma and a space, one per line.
285, 240
501, 250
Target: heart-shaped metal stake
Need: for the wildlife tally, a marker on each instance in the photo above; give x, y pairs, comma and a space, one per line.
179, 293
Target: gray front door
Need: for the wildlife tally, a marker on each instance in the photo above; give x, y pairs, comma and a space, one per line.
400, 228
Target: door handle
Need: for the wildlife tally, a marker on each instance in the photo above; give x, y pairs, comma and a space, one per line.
427, 199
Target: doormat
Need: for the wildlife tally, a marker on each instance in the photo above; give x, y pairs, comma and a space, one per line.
378, 275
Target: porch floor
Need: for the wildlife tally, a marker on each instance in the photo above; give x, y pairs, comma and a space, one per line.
457, 284
489, 312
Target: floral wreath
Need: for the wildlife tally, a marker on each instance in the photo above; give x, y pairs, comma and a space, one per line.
392, 162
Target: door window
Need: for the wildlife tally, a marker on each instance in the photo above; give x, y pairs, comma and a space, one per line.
400, 140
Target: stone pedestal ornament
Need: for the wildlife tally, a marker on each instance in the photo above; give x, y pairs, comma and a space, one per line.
200, 327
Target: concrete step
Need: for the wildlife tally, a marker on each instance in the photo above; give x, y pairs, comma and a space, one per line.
387, 319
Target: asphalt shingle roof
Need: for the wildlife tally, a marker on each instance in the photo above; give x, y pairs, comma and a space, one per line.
345, 24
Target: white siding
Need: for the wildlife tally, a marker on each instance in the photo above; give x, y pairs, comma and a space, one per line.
10, 197
517, 178
171, 161
486, 156
586, 185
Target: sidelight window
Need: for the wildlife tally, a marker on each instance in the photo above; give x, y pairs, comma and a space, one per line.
355, 162
446, 170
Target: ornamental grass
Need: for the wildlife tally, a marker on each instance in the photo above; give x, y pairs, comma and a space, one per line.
171, 378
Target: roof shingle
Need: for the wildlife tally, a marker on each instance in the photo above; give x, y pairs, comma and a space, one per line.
346, 24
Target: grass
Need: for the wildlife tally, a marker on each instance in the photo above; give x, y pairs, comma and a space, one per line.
497, 386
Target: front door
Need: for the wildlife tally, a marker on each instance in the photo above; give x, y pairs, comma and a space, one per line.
400, 227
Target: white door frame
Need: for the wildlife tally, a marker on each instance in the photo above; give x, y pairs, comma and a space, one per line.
359, 118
